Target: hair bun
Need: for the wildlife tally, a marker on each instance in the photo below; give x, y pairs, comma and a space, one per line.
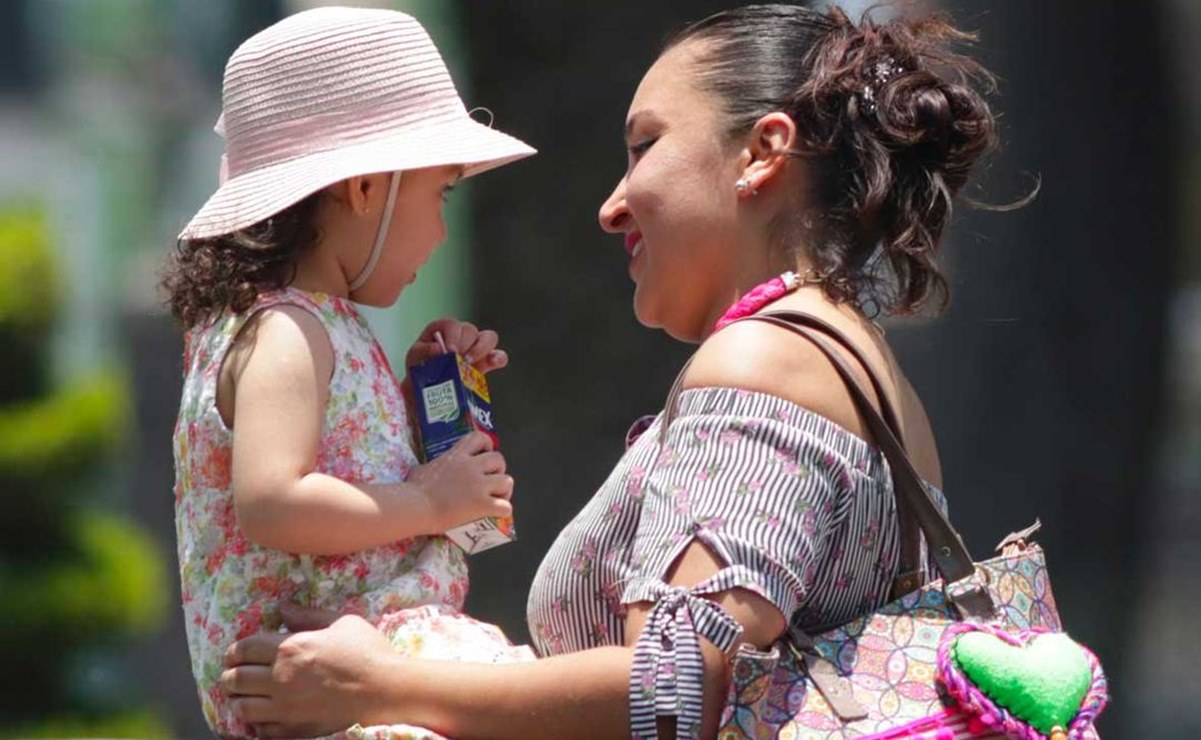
890, 119
915, 111
896, 105
935, 111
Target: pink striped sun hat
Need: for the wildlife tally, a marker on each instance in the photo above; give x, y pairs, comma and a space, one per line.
332, 93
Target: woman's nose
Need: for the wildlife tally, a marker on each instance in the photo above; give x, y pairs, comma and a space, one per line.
613, 212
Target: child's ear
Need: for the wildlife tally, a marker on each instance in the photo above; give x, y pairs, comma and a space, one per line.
355, 193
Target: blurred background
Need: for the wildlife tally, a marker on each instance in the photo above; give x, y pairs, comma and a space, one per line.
1064, 383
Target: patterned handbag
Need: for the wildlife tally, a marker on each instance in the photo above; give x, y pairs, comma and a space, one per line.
979, 653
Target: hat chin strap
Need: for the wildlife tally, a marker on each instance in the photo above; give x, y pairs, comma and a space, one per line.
382, 236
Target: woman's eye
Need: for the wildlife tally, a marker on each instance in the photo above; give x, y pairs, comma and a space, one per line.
637, 150
446, 192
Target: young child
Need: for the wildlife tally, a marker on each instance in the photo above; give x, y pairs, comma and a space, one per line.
296, 478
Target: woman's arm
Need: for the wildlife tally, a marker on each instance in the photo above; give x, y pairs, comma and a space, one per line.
279, 377
325, 680
761, 622
318, 682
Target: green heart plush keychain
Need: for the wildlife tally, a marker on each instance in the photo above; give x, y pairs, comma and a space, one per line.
1031, 685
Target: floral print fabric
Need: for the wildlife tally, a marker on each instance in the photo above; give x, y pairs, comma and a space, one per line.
890, 657
231, 587
800, 510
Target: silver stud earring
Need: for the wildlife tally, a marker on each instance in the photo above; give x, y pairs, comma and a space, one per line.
743, 185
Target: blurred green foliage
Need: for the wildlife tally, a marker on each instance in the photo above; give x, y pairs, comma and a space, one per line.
130, 724
29, 281
29, 285
76, 580
102, 589
68, 429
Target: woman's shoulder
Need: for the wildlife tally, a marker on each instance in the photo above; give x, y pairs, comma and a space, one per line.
761, 357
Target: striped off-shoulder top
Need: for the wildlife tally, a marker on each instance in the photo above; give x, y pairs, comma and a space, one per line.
799, 510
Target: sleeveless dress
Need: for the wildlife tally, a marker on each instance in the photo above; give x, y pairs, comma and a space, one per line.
799, 510
413, 589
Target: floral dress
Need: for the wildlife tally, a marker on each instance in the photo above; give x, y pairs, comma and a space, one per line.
799, 510
412, 589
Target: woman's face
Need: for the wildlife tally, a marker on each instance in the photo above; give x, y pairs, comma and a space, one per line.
677, 204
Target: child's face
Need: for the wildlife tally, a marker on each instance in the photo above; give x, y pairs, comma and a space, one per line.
416, 230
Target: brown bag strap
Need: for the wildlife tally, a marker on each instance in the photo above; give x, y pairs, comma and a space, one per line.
910, 573
887, 408
886, 405
947, 548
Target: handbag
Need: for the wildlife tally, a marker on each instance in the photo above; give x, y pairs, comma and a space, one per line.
977, 653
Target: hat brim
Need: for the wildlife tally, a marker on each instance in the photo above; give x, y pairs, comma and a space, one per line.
251, 197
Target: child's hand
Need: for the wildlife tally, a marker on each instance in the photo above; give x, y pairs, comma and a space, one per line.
466, 483
477, 347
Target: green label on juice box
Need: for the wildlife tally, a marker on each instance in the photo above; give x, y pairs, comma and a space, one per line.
441, 402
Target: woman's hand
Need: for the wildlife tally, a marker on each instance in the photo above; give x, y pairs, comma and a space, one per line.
310, 682
346, 671
477, 347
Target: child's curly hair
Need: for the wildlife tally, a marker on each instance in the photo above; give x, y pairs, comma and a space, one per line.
206, 277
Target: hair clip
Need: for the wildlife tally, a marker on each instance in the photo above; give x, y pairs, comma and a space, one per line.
881, 71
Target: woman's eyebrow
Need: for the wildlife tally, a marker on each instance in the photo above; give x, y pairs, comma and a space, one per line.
633, 120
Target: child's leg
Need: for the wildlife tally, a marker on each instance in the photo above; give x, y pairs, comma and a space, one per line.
437, 633
388, 732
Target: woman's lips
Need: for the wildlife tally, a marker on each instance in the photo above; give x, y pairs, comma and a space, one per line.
634, 248
633, 240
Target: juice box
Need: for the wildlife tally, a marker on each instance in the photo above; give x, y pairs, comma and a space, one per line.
452, 401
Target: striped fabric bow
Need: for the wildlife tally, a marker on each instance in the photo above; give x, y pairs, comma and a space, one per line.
667, 678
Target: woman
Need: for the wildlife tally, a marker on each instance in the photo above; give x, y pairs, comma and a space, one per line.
779, 158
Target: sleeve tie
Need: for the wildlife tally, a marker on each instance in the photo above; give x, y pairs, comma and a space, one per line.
668, 673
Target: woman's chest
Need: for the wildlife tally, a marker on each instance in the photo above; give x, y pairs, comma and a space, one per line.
575, 600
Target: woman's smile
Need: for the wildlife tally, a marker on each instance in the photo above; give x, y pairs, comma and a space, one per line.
634, 248
633, 242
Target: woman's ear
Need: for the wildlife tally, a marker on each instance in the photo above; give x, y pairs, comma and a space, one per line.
767, 151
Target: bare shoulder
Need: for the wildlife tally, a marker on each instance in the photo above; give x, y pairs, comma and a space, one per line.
758, 356
283, 335
283, 345
762, 357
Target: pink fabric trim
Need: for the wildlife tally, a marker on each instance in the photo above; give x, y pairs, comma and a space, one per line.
949, 724
757, 298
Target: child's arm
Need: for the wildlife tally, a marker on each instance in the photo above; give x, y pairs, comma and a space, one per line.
280, 372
